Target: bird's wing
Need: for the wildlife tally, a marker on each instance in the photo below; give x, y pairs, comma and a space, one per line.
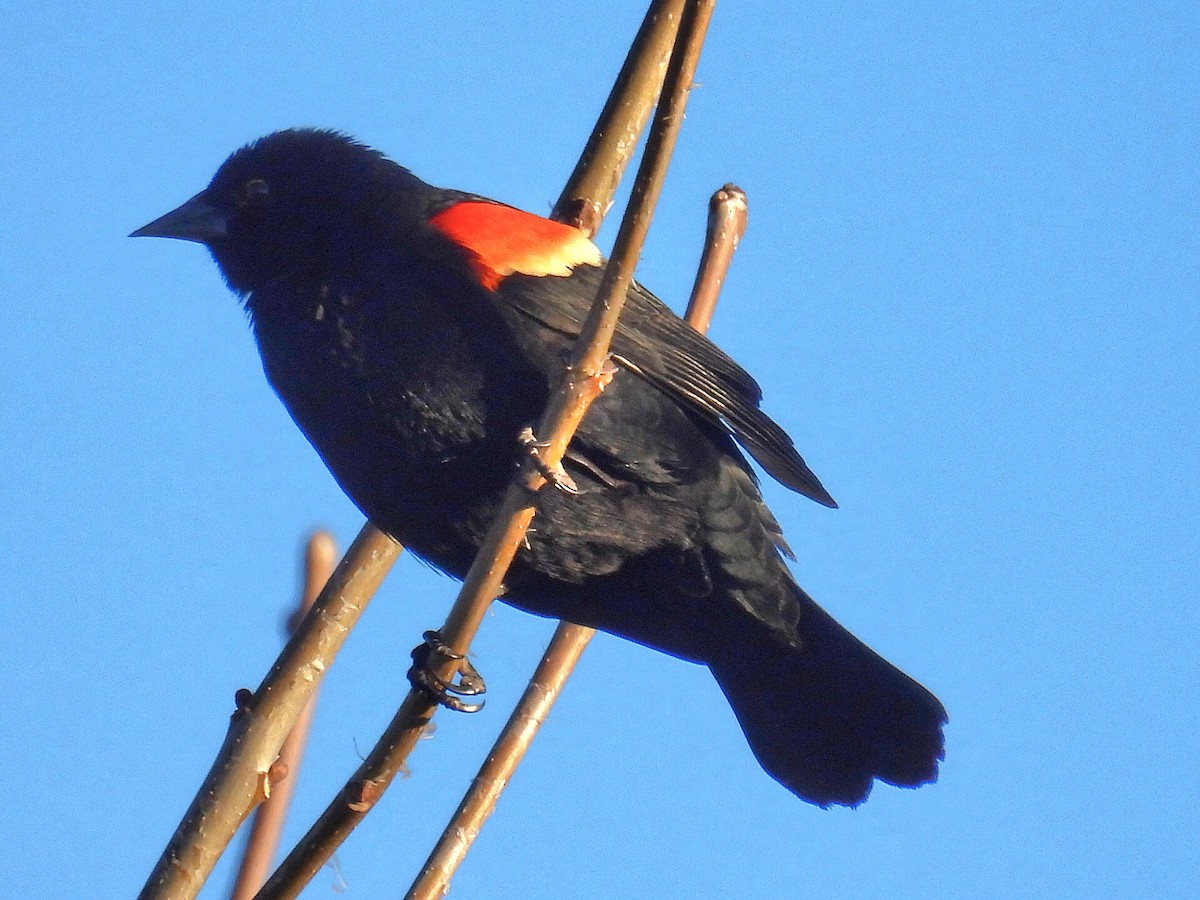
551, 273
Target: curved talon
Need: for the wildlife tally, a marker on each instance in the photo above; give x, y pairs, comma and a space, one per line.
554, 474
424, 677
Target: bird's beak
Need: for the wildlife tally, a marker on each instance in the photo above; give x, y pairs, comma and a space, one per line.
197, 220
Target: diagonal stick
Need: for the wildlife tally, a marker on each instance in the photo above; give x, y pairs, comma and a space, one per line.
726, 225
240, 774
584, 379
320, 556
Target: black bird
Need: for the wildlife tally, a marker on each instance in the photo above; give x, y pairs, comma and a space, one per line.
412, 332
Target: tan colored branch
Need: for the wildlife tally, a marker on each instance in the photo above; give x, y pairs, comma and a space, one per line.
240, 775
585, 377
727, 214
588, 194
320, 557
558, 662
726, 225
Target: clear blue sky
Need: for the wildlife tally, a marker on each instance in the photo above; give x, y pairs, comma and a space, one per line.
969, 290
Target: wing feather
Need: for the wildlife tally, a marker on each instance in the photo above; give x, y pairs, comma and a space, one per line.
659, 346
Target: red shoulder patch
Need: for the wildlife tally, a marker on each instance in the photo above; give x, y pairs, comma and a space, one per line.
503, 241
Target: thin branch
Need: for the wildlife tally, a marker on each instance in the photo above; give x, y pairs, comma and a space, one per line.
585, 376
726, 225
598, 329
234, 783
240, 775
558, 662
727, 215
320, 557
588, 194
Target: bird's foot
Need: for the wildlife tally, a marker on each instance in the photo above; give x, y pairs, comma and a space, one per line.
554, 474
427, 659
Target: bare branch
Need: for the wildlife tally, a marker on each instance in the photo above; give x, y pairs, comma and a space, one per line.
726, 225
585, 376
727, 215
320, 557
558, 662
588, 194
240, 775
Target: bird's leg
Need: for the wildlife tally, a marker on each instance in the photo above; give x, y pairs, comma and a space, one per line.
556, 474
424, 675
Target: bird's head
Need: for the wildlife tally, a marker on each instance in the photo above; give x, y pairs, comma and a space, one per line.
286, 204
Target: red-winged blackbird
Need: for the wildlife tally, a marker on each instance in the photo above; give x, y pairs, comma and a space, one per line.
413, 332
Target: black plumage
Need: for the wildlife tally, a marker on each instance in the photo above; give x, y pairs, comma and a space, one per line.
412, 332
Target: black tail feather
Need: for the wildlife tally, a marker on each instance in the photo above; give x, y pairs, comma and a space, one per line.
828, 717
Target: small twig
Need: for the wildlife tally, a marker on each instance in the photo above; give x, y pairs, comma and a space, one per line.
588, 193
558, 662
726, 225
584, 378
668, 119
229, 791
320, 557
727, 213
240, 775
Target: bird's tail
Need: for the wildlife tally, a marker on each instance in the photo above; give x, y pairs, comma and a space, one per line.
827, 717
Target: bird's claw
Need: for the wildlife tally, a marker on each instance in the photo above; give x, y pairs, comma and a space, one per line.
424, 676
554, 474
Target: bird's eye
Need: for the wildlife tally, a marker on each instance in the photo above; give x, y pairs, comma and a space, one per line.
255, 189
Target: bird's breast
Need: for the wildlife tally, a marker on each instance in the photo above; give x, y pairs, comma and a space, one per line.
410, 395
